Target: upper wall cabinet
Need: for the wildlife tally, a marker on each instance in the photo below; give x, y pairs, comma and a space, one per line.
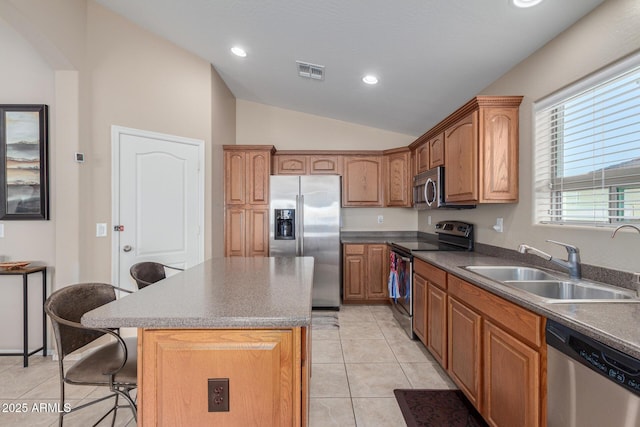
478, 146
306, 163
397, 178
362, 181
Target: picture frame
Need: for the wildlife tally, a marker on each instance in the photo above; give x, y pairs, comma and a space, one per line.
24, 183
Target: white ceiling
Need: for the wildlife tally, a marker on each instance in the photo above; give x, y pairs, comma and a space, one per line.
430, 56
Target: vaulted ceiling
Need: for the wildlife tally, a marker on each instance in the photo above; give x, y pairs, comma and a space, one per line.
429, 56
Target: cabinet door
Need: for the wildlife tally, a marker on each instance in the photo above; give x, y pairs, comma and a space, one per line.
258, 171
377, 272
397, 180
354, 272
436, 151
511, 380
422, 158
324, 165
234, 232
257, 243
362, 181
286, 164
461, 154
437, 323
499, 155
464, 356
235, 178
420, 307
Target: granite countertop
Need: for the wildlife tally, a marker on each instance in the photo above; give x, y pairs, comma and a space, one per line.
616, 324
219, 293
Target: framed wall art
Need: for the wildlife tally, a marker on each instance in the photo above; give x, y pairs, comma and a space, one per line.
24, 186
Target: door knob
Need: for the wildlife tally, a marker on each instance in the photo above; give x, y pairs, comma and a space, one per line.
127, 248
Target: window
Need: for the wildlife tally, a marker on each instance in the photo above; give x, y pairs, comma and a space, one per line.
587, 150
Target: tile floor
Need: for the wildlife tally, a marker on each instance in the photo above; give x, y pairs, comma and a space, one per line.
355, 368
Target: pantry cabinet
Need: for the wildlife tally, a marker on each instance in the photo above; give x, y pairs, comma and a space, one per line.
246, 194
365, 273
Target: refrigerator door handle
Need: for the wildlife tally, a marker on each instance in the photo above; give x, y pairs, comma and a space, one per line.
298, 228
301, 225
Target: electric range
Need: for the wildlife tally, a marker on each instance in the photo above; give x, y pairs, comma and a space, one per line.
451, 236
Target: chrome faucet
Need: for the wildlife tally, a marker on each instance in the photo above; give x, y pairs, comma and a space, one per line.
636, 276
572, 264
623, 226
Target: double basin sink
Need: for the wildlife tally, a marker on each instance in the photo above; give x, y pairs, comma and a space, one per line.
551, 288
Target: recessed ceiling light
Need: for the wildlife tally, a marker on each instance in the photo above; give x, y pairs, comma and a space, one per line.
525, 3
238, 51
370, 80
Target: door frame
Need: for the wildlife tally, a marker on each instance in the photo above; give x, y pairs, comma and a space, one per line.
116, 133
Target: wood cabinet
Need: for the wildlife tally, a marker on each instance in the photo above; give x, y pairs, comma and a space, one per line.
247, 170
267, 372
290, 164
504, 346
478, 146
481, 152
397, 180
306, 163
436, 151
511, 379
365, 273
422, 158
437, 324
465, 349
430, 308
420, 304
362, 181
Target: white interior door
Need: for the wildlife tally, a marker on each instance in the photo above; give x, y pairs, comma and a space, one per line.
158, 201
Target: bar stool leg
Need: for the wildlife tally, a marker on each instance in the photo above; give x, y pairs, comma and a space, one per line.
25, 322
44, 316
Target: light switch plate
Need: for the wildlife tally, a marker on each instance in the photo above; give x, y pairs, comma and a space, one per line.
1, 230
101, 229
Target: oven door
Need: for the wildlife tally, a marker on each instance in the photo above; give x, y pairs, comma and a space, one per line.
401, 290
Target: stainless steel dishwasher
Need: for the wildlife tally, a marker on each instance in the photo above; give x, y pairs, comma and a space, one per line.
589, 383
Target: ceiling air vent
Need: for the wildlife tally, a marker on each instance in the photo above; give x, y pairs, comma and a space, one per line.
310, 71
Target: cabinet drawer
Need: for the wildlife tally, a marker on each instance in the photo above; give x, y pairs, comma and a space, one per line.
527, 325
433, 274
354, 249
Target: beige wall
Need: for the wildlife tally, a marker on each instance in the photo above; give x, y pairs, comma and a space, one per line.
291, 130
95, 69
610, 32
138, 81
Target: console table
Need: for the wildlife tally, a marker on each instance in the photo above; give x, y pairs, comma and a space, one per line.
25, 272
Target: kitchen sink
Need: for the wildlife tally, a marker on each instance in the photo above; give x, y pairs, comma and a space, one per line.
551, 288
562, 291
503, 273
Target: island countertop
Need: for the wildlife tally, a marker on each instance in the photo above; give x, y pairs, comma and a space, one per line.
234, 292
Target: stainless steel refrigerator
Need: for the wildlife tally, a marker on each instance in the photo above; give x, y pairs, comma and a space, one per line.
304, 220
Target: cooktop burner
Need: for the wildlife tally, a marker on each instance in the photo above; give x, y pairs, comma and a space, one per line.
452, 236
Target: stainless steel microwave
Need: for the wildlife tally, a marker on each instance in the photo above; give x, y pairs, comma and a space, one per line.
428, 191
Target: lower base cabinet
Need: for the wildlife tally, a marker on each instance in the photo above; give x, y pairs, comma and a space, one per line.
365, 273
511, 379
465, 349
267, 372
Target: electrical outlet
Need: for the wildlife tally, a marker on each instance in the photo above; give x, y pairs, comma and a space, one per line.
218, 395
380, 219
1, 230
428, 219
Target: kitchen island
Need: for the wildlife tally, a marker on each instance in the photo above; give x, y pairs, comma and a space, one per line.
241, 320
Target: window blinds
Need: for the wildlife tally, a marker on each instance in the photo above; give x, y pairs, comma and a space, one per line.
587, 150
